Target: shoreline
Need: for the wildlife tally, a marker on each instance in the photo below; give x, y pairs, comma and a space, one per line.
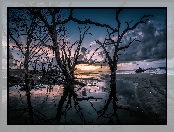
151, 92
149, 102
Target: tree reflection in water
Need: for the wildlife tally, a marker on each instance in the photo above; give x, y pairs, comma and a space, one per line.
56, 104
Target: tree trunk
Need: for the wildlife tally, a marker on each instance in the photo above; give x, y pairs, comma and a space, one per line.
68, 89
113, 87
113, 92
26, 72
30, 108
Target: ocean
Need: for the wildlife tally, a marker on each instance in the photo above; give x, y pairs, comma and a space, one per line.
152, 71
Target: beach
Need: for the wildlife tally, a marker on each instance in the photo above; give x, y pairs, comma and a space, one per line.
142, 90
151, 92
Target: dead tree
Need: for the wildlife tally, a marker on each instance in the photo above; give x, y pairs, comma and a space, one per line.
65, 58
17, 28
23, 37
69, 63
23, 33
113, 60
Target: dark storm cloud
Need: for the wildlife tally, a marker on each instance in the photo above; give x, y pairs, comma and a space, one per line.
152, 45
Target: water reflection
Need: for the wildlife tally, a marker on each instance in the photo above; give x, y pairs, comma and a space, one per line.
43, 101
126, 93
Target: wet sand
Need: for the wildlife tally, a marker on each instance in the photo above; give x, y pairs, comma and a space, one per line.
151, 92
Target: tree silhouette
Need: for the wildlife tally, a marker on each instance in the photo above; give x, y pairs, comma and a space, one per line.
66, 60
113, 60
46, 28
22, 37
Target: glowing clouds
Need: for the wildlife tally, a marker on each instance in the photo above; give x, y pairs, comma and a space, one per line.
84, 67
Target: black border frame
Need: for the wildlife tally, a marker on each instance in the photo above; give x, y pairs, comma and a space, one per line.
8, 8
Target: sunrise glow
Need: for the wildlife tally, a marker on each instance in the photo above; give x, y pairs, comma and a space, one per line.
87, 67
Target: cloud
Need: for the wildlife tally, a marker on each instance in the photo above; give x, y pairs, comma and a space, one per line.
83, 50
152, 45
93, 42
68, 39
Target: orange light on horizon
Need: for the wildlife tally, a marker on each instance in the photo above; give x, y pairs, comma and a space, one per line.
85, 67
91, 68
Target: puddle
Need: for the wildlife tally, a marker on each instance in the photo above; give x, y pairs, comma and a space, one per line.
45, 103
126, 93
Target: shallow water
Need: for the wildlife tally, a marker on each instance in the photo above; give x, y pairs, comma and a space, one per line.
45, 102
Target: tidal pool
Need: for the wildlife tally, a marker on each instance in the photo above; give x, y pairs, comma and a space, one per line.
41, 107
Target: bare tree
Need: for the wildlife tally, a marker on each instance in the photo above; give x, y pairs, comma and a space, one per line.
17, 26
23, 38
37, 33
65, 57
68, 69
113, 59
47, 26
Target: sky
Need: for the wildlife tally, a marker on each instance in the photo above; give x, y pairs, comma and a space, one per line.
150, 52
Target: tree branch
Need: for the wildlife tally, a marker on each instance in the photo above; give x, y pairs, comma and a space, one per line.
91, 22
79, 45
93, 54
121, 48
133, 27
106, 52
18, 45
117, 13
